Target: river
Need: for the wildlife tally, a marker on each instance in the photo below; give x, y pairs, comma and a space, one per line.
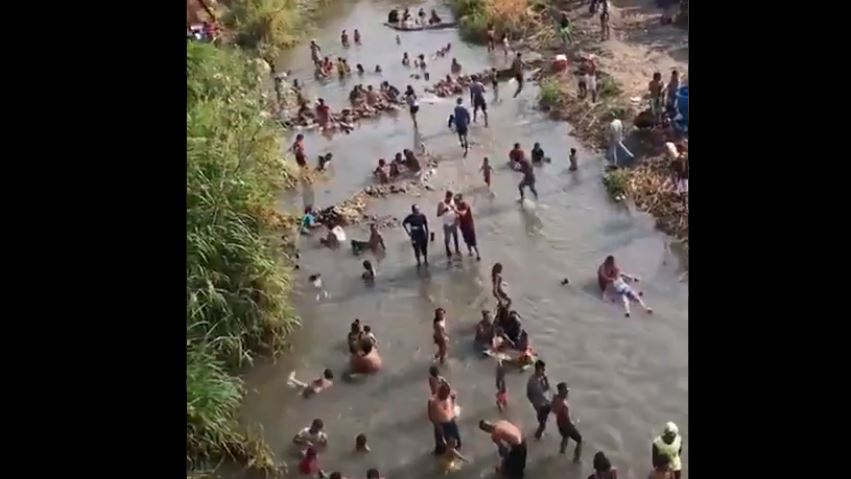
627, 376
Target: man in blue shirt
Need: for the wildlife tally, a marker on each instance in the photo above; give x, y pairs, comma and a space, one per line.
461, 118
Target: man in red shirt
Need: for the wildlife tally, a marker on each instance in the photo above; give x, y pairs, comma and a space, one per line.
465, 222
516, 156
323, 113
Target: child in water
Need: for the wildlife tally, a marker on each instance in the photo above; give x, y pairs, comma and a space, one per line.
486, 170
501, 391
441, 337
451, 459
314, 387
369, 273
405, 60
367, 334
572, 160
360, 444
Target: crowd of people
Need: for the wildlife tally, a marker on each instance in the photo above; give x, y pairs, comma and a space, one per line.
501, 335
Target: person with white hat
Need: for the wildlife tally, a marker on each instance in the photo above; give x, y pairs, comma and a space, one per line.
670, 445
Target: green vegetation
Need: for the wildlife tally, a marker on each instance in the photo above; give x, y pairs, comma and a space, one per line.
607, 87
474, 16
551, 94
616, 182
237, 282
265, 26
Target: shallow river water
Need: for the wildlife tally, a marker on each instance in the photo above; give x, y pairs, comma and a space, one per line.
628, 376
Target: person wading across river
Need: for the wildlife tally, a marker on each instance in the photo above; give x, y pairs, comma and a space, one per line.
447, 210
499, 286
566, 427
528, 178
416, 226
517, 70
536, 390
477, 98
670, 445
413, 105
461, 118
442, 412
512, 447
466, 225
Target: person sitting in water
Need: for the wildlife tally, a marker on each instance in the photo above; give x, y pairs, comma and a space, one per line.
608, 272
377, 68
361, 446
382, 171
537, 153
324, 161
393, 16
411, 161
308, 221
368, 361
406, 61
354, 337
336, 236
314, 387
369, 273
312, 436
360, 69
484, 332
375, 242
455, 67
434, 19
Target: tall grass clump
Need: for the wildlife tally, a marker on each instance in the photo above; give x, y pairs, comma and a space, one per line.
474, 16
616, 182
551, 94
236, 280
265, 26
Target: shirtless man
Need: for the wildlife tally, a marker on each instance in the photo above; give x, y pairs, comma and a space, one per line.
484, 332
442, 413
491, 38
440, 336
477, 99
512, 447
528, 178
517, 70
565, 426
368, 362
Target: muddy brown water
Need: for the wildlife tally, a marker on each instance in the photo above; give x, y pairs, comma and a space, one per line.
628, 376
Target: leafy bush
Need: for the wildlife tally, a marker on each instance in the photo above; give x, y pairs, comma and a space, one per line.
509, 16
265, 25
607, 87
550, 94
616, 182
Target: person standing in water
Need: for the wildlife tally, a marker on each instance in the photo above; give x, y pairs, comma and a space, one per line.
298, 150
603, 467
413, 105
440, 336
357, 37
442, 413
566, 427
536, 389
499, 286
572, 159
477, 98
461, 118
517, 70
512, 447
466, 225
416, 226
528, 178
447, 210
486, 170
501, 390
670, 445
494, 77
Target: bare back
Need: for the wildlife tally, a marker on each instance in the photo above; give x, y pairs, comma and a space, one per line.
504, 431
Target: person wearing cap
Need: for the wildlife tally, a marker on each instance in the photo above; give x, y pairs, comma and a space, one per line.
566, 428
670, 445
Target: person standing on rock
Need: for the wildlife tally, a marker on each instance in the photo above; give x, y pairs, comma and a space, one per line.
536, 389
466, 225
670, 445
448, 211
416, 226
517, 70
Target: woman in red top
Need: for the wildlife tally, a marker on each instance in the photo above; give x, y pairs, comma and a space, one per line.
309, 465
298, 150
323, 113
468, 228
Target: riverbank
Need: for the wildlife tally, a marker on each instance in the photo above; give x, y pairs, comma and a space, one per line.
639, 45
238, 277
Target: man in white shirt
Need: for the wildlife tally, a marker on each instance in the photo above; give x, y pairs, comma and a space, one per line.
446, 209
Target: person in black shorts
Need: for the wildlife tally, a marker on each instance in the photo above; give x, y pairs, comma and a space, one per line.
528, 178
416, 226
517, 70
494, 76
536, 389
477, 98
566, 427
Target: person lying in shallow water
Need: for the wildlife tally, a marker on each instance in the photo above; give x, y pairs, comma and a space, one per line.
322, 383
